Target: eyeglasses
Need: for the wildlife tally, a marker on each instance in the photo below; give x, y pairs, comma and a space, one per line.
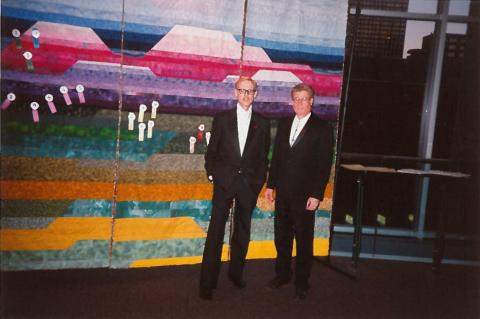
246, 91
301, 99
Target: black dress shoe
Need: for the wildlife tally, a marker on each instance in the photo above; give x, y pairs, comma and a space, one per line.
239, 283
205, 294
301, 293
276, 283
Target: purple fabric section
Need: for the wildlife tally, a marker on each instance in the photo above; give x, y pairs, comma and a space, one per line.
141, 86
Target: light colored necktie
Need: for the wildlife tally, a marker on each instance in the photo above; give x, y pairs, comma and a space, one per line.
294, 136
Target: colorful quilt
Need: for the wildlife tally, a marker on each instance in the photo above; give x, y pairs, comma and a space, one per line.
105, 117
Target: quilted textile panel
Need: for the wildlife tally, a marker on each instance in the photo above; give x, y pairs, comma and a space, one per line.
106, 109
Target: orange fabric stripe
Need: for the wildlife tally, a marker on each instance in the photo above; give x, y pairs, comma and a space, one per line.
51, 190
66, 190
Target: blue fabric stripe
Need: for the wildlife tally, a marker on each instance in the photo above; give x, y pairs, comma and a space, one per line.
73, 147
151, 34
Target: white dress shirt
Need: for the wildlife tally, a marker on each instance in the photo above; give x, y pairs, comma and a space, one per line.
297, 127
243, 123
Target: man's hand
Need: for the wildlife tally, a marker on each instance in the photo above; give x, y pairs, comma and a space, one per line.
270, 194
312, 204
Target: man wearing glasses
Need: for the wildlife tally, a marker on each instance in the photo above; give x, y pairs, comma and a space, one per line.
299, 172
236, 163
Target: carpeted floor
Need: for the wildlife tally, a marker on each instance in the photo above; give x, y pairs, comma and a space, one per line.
382, 289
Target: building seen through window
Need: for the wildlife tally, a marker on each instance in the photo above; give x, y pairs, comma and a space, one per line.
389, 58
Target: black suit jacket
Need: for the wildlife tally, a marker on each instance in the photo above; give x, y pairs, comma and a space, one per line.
303, 169
223, 160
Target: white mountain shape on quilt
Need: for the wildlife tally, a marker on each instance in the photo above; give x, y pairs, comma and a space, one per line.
67, 35
212, 43
270, 77
275, 76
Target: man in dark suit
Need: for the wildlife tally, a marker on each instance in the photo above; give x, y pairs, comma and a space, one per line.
299, 172
236, 163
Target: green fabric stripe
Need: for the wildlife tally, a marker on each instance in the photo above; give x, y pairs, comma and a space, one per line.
15, 128
124, 253
198, 209
34, 208
84, 254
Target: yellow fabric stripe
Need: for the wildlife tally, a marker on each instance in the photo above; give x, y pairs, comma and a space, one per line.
266, 249
156, 229
166, 261
256, 250
61, 234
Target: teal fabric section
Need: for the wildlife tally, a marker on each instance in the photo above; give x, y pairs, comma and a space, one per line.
85, 148
197, 209
322, 227
200, 210
89, 208
322, 213
124, 253
88, 254
25, 222
84, 254
143, 209
262, 214
262, 229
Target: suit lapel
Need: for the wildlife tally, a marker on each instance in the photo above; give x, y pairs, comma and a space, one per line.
288, 130
252, 129
234, 125
302, 132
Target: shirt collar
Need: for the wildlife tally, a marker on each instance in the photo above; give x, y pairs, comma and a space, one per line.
241, 110
303, 119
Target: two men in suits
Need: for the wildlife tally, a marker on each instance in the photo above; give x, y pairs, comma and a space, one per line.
299, 172
236, 163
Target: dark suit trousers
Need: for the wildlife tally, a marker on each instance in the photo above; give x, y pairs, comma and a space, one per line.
291, 221
245, 201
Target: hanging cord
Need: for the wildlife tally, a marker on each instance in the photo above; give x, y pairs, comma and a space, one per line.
117, 150
244, 27
230, 235
232, 207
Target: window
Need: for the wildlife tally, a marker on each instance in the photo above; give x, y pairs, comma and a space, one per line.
409, 94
